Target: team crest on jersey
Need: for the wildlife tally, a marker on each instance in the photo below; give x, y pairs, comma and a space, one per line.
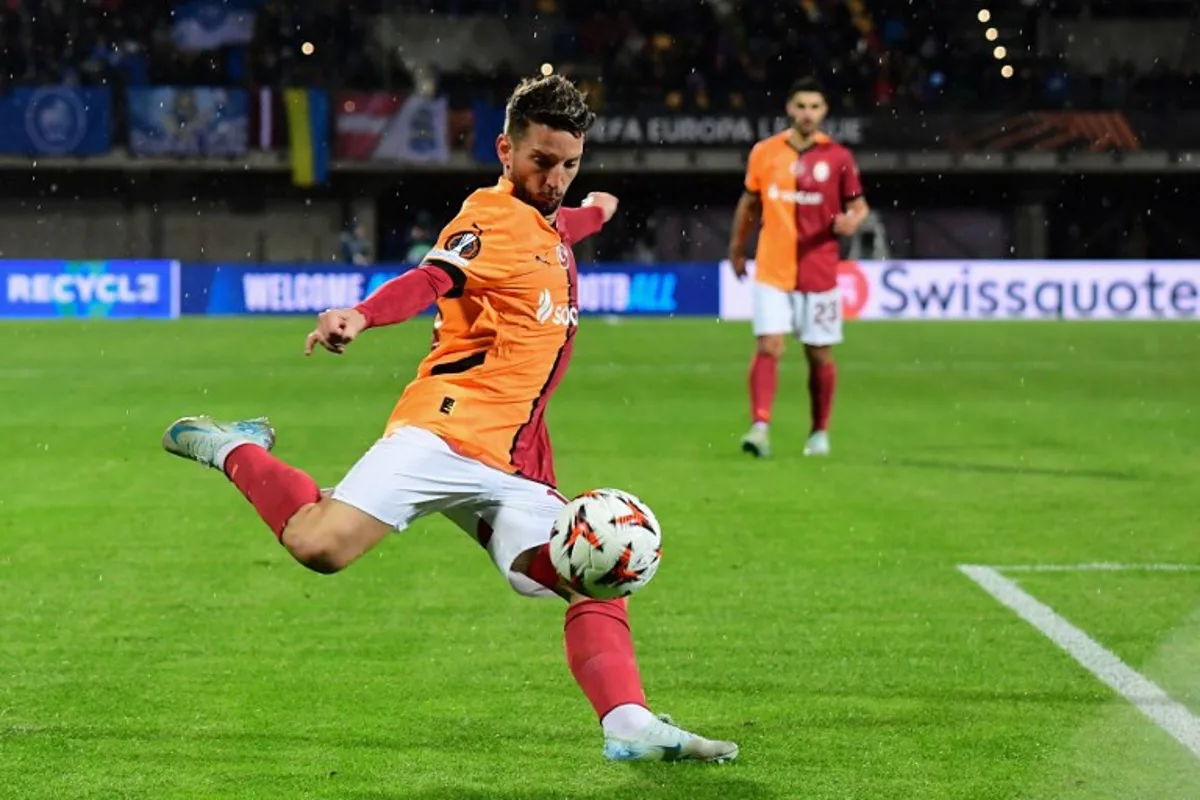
821, 171
564, 256
465, 244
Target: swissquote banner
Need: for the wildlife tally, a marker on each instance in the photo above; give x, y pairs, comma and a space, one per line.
380, 126
1001, 290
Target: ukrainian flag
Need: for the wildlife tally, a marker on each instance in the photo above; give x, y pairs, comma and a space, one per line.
308, 135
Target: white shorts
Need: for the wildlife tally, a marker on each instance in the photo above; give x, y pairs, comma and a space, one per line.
413, 473
813, 317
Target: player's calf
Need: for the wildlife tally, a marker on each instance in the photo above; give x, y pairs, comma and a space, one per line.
822, 382
764, 379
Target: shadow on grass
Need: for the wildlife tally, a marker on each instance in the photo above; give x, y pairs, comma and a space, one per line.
645, 781
1011, 469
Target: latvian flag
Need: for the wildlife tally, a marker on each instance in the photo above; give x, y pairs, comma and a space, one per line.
379, 126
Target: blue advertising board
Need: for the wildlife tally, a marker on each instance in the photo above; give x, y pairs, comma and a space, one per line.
93, 289
178, 121
56, 121
616, 289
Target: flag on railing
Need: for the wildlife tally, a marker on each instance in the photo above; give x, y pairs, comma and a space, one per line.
308, 135
379, 126
211, 24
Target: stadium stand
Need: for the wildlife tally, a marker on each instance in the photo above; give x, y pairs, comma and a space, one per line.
669, 54
913, 76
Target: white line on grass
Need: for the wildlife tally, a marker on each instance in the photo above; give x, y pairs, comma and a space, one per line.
1099, 566
1144, 694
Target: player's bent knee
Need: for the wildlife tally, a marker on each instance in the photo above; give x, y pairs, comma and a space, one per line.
771, 345
318, 554
314, 545
819, 354
533, 575
329, 536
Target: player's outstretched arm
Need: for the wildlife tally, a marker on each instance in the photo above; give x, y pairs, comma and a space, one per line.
397, 300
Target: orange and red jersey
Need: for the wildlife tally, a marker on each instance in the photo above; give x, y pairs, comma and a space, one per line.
801, 192
503, 332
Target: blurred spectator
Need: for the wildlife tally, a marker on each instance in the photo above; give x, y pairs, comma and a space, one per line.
420, 238
356, 249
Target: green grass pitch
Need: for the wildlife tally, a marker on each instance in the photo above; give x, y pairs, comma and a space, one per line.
155, 641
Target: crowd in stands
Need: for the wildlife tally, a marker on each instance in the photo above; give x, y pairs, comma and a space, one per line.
131, 42
690, 55
902, 55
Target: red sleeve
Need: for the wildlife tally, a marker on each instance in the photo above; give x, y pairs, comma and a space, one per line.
576, 224
851, 184
403, 298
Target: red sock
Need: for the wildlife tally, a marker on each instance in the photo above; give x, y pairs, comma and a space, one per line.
600, 654
764, 377
542, 570
275, 489
822, 380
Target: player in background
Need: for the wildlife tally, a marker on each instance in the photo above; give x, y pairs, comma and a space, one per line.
468, 437
805, 189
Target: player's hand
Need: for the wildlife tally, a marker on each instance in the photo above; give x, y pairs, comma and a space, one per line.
738, 262
335, 329
603, 200
845, 225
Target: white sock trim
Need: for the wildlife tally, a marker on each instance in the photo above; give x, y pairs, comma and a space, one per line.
627, 721
223, 452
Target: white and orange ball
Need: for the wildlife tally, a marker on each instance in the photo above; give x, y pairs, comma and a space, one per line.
606, 544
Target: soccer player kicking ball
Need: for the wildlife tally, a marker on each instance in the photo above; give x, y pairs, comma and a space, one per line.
805, 189
468, 436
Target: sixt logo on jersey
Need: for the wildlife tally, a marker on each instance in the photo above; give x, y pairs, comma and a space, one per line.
562, 314
799, 198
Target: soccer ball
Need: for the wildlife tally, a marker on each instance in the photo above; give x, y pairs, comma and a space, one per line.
606, 544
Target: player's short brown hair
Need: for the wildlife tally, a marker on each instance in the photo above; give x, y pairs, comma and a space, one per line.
552, 101
808, 83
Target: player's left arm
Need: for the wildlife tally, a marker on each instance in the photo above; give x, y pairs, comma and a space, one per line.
398, 300
587, 220
854, 203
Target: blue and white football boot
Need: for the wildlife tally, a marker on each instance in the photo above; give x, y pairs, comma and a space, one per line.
663, 740
208, 441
